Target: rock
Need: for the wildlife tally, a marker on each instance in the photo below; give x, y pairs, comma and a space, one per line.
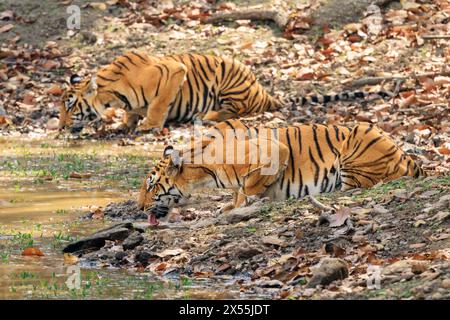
53, 124
144, 256
445, 284
246, 252
405, 266
269, 283
327, 271
97, 240
120, 255
240, 214
126, 210
107, 255
132, 241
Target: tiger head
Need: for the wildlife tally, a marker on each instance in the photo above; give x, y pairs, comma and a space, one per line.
84, 102
164, 186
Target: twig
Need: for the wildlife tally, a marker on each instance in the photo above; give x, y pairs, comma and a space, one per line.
319, 205
434, 36
280, 17
376, 80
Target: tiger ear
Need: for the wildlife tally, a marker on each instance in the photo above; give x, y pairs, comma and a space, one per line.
175, 162
168, 151
74, 79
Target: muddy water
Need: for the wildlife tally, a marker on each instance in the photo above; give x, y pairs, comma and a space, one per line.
41, 206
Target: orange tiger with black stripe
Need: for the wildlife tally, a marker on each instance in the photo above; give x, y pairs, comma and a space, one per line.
310, 159
172, 88
175, 88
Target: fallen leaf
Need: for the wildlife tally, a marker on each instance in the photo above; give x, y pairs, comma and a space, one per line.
55, 90
339, 218
70, 258
160, 267
271, 240
223, 267
32, 252
7, 15
77, 175
6, 28
170, 252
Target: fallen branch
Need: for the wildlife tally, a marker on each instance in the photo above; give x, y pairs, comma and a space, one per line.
435, 36
319, 205
376, 80
280, 17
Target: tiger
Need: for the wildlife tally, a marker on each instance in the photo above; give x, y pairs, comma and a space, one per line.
310, 159
175, 88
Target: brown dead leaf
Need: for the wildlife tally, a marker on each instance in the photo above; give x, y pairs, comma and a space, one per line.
339, 218
77, 175
170, 252
444, 150
98, 214
161, 267
50, 64
6, 28
32, 252
70, 258
405, 103
55, 90
272, 240
223, 267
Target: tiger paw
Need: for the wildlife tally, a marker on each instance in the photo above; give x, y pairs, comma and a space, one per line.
145, 127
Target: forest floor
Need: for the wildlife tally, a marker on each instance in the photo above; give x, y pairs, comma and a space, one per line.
401, 226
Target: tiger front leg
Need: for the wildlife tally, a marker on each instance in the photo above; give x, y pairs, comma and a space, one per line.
172, 75
131, 119
261, 176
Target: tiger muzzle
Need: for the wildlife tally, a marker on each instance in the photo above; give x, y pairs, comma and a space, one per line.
159, 210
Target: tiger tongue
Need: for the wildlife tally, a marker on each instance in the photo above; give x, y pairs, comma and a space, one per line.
153, 220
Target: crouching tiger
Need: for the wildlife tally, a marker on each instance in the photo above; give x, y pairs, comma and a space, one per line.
176, 88
277, 163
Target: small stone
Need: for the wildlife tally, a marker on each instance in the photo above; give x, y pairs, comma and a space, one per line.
97, 240
269, 283
144, 256
132, 241
445, 283
246, 252
53, 124
120, 255
327, 271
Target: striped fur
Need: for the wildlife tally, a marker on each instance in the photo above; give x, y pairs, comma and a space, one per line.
176, 88
313, 159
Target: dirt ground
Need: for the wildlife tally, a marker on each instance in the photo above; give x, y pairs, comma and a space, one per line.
402, 227
273, 248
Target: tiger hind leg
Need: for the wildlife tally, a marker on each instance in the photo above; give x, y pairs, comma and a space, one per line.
368, 156
218, 116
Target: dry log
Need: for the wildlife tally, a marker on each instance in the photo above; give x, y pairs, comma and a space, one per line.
280, 17
376, 80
